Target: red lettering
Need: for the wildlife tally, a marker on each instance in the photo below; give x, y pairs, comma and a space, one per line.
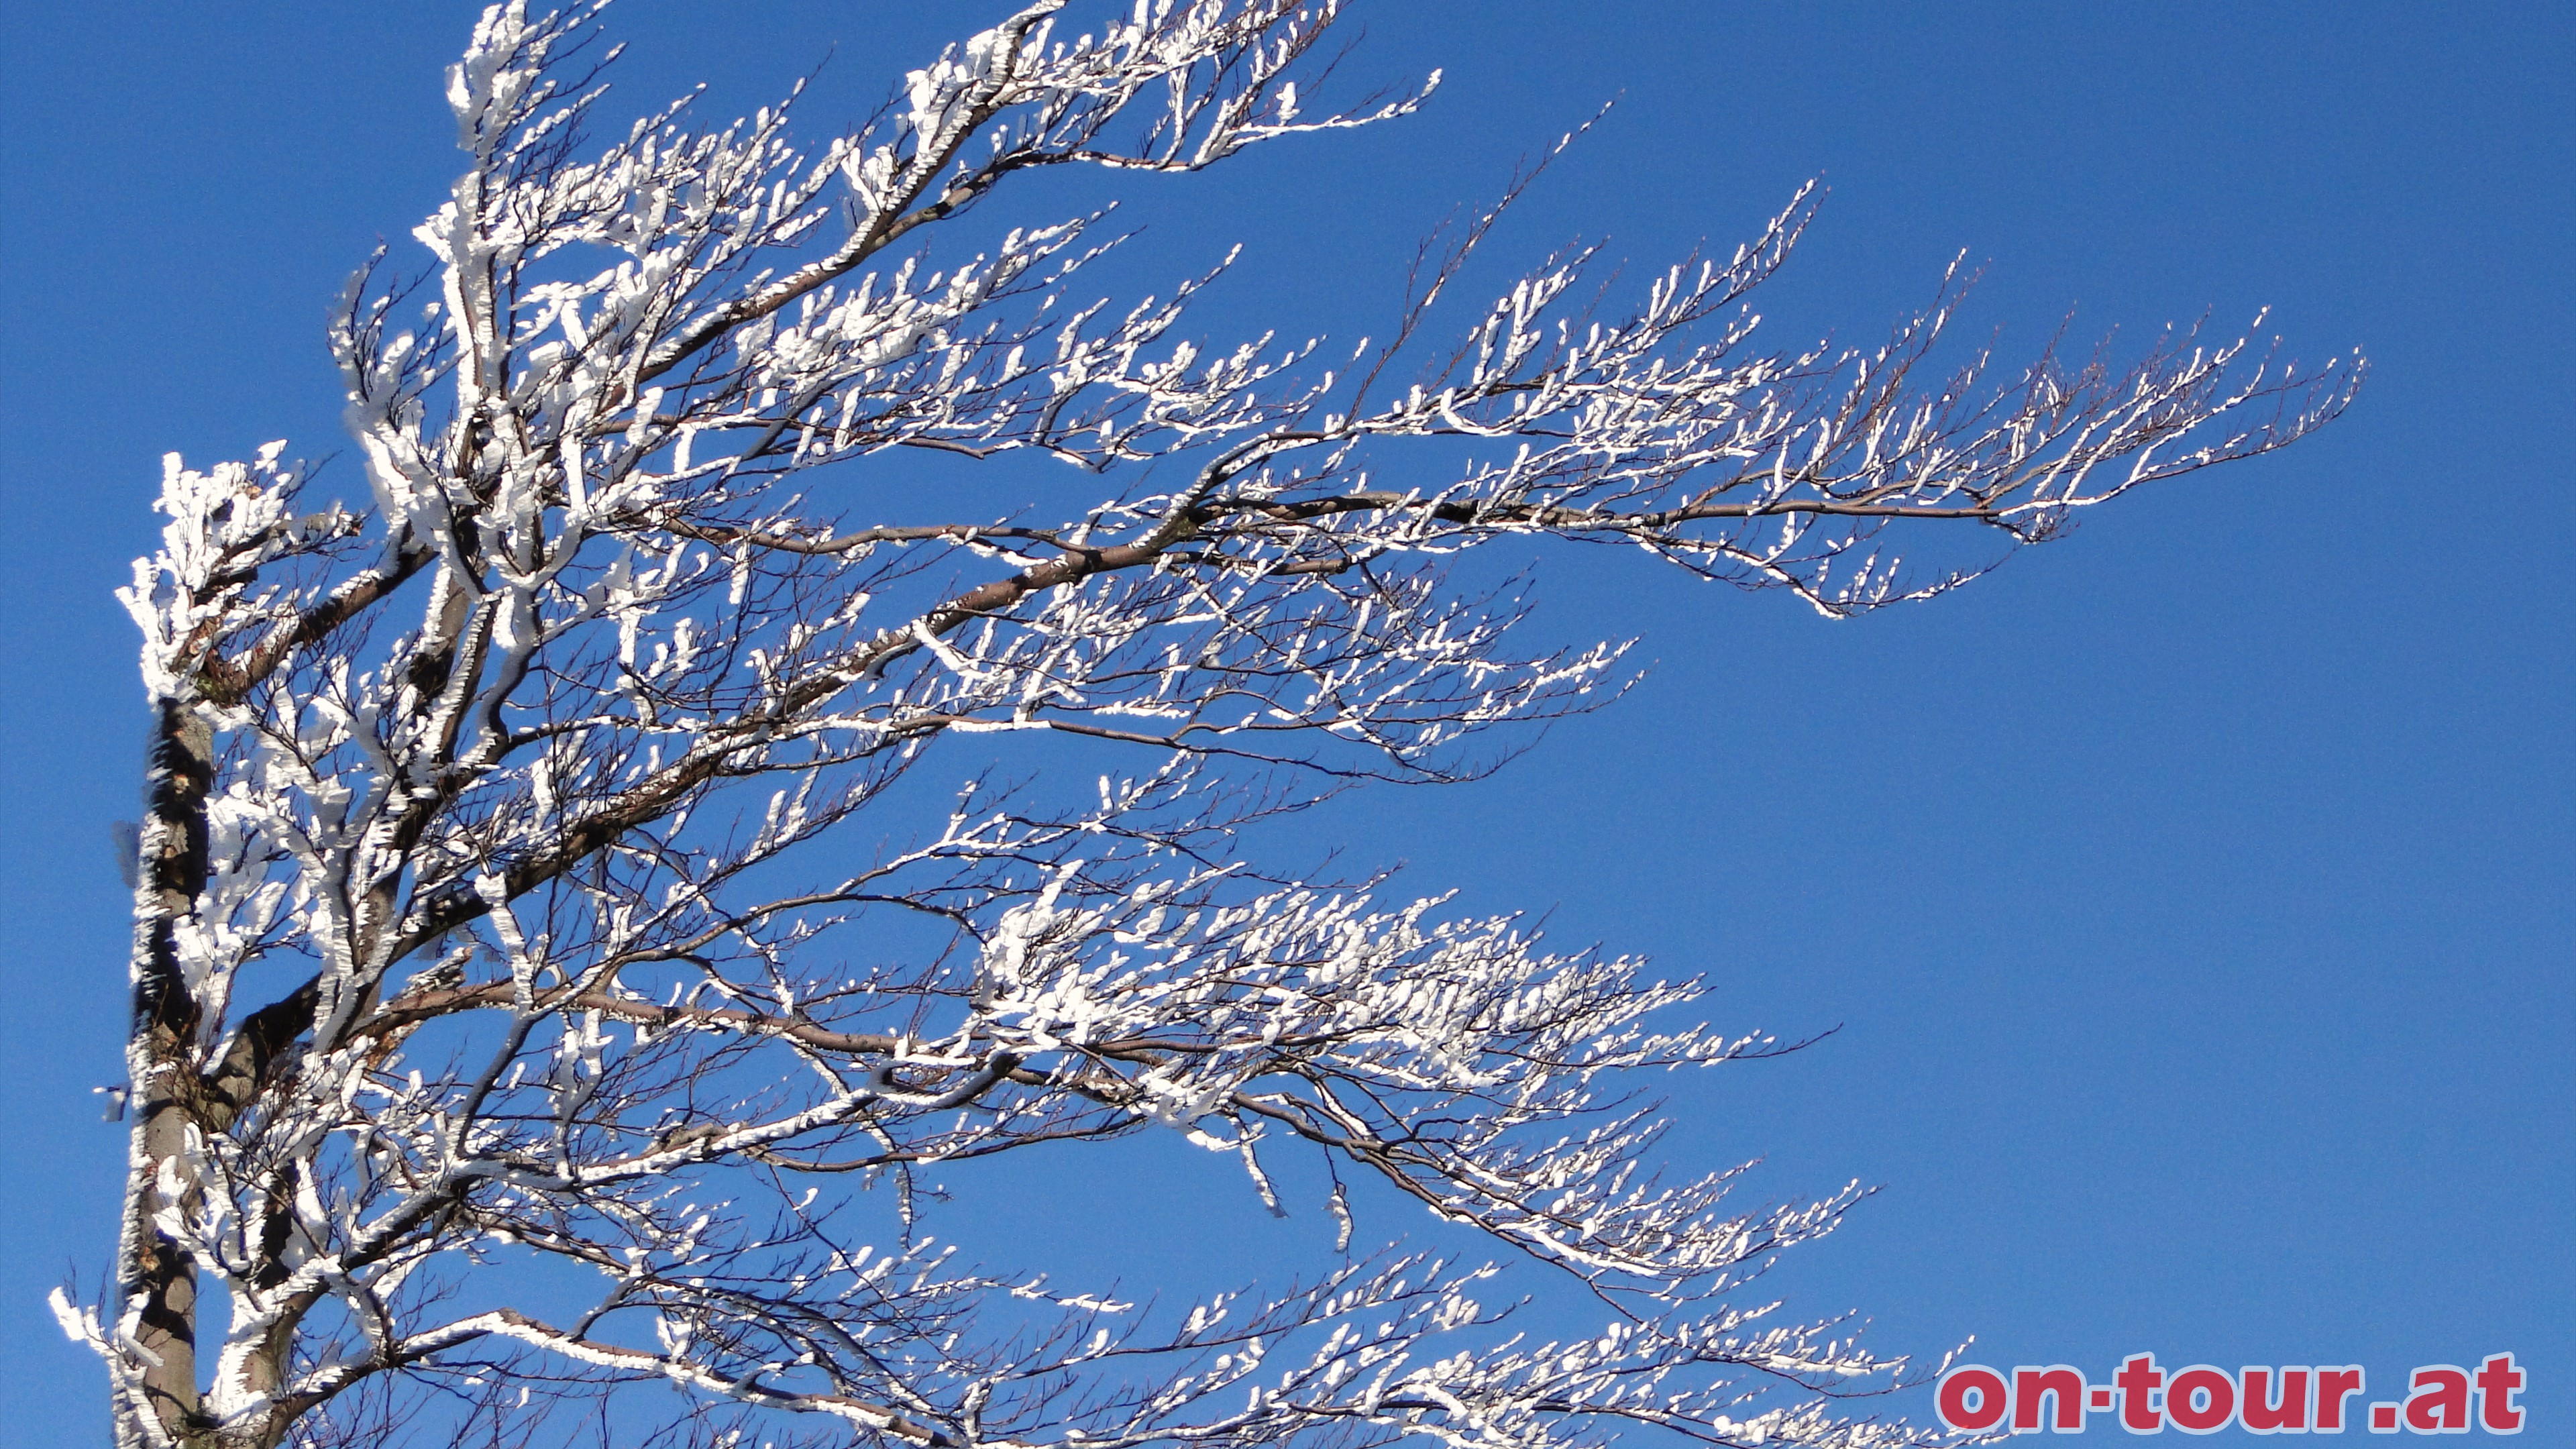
2139, 1379
2065, 1384
2497, 1380
2439, 1401
2201, 1399
2334, 1385
2260, 1412
1972, 1382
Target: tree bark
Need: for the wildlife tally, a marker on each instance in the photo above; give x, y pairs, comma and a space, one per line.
152, 1270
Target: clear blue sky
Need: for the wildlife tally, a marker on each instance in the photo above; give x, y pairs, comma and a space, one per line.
2197, 896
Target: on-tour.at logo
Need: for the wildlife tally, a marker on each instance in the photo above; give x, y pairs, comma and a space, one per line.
2144, 1398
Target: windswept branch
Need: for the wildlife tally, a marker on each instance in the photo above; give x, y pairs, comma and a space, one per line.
519, 770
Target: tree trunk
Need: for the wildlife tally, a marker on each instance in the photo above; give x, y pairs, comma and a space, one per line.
151, 1267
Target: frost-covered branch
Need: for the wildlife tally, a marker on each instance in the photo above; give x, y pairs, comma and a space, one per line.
487, 1032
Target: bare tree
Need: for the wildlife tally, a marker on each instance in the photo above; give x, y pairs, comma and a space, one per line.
489, 1052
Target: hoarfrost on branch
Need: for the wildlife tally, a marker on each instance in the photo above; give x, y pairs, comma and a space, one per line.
474, 924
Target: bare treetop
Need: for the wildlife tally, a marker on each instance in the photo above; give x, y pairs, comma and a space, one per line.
495, 1030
